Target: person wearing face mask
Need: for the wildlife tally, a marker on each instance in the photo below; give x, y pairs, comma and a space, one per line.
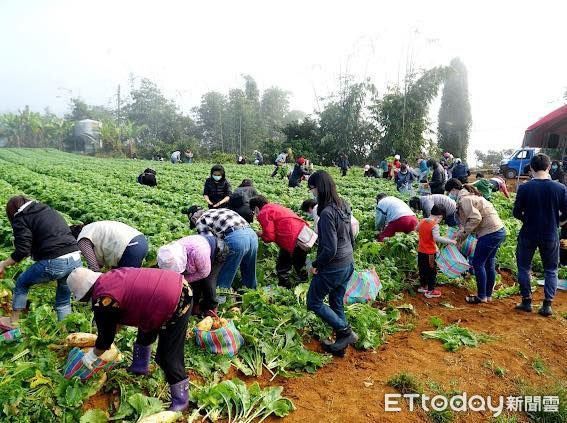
540, 205
478, 217
438, 177
334, 265
298, 174
404, 179
309, 207
217, 189
285, 228
557, 173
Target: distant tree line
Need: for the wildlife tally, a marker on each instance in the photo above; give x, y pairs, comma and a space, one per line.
356, 118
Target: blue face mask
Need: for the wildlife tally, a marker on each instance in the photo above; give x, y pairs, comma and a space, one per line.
553, 167
217, 177
314, 193
453, 196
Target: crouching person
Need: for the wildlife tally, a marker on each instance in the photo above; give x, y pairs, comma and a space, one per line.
290, 232
157, 302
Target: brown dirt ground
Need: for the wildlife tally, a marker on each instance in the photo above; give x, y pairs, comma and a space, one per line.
351, 389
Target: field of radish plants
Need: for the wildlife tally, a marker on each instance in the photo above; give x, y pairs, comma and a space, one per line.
274, 322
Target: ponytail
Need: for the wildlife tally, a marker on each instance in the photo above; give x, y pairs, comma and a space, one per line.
472, 189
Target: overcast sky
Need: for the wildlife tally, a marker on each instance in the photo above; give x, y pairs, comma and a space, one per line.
514, 51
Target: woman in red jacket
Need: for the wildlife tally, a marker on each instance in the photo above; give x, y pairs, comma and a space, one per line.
157, 302
282, 226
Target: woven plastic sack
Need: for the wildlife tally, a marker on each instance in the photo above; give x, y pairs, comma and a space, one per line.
11, 335
468, 246
362, 287
75, 367
226, 340
172, 256
451, 262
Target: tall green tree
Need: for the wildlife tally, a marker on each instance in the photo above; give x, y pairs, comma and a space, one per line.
210, 121
455, 120
274, 109
345, 123
402, 114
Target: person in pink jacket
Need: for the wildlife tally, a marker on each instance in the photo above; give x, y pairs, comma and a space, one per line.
199, 258
282, 226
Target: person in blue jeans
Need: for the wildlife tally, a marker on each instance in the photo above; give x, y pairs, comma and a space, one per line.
540, 203
42, 233
477, 216
334, 265
238, 236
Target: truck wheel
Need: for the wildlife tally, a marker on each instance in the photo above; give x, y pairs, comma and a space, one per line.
511, 174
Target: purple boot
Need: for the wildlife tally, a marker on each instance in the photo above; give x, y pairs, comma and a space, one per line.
140, 360
179, 396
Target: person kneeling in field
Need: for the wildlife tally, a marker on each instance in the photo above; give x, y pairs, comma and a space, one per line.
199, 259
310, 207
157, 302
287, 230
112, 244
428, 230
392, 216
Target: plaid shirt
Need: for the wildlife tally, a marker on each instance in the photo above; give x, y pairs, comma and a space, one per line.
215, 222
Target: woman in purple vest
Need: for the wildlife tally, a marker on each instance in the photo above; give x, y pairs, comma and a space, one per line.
157, 302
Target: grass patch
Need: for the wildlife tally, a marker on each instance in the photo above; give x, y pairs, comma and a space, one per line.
405, 383
539, 366
505, 419
445, 416
559, 390
497, 370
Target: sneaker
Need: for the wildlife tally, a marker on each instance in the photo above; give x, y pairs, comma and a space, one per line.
422, 289
432, 294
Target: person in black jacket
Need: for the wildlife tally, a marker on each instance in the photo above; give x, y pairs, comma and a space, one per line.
217, 189
148, 177
41, 232
342, 162
438, 177
557, 173
334, 264
370, 172
240, 200
461, 171
298, 173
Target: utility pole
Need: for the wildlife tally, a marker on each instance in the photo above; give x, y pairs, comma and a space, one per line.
118, 105
221, 140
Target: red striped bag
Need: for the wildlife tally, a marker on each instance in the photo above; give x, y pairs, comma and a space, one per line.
226, 340
451, 262
469, 244
75, 367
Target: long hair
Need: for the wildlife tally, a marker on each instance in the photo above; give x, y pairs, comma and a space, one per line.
326, 190
454, 183
14, 204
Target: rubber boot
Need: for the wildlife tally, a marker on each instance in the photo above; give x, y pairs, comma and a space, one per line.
140, 360
525, 305
545, 309
345, 337
179, 396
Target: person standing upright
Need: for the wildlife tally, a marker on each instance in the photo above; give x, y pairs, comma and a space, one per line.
540, 204
342, 162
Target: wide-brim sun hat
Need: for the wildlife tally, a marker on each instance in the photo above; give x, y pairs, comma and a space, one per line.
81, 280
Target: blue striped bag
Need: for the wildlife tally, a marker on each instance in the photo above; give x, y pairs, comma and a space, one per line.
75, 367
226, 340
12, 335
469, 244
451, 262
362, 287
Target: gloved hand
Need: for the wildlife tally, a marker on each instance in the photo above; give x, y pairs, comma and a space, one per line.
89, 358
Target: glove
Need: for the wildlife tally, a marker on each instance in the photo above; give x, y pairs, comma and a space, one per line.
89, 359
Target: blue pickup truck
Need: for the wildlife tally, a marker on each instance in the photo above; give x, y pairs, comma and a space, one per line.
517, 163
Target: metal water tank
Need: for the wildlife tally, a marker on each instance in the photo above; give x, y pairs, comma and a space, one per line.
89, 131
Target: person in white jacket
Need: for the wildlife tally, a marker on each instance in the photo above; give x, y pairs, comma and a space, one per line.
110, 244
392, 216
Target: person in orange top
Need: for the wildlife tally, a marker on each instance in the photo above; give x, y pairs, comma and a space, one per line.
428, 230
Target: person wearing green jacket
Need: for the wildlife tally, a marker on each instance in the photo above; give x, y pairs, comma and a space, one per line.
484, 186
